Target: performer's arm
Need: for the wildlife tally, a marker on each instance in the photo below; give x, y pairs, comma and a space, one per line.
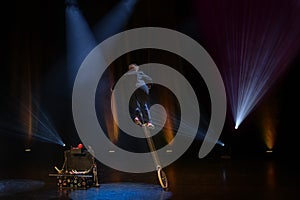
146, 78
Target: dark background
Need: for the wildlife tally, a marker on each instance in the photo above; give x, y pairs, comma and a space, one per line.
33, 66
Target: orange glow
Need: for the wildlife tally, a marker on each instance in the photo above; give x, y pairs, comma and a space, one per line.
269, 127
269, 137
27, 109
112, 127
29, 130
168, 133
24, 78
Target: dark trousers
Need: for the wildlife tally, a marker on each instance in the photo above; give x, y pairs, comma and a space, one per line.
138, 105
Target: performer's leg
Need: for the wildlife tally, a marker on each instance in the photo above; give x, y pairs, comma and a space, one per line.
146, 113
132, 107
142, 98
135, 110
138, 119
143, 107
147, 116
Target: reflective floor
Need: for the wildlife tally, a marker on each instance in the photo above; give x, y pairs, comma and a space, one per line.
193, 178
28, 189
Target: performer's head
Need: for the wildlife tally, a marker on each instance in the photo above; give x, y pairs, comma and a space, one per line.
133, 66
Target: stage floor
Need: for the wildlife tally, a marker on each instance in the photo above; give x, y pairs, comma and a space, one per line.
193, 178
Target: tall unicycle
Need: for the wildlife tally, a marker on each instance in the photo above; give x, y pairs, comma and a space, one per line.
162, 177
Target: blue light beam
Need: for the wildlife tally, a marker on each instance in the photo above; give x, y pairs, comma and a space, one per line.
253, 43
79, 36
115, 21
41, 127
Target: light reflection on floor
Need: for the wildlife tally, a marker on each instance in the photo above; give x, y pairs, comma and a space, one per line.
210, 179
122, 191
32, 189
13, 186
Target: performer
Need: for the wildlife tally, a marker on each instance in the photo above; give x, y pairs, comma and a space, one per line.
139, 102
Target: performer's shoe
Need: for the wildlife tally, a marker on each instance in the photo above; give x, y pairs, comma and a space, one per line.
150, 125
137, 121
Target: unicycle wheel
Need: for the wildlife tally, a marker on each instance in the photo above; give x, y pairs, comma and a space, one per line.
162, 178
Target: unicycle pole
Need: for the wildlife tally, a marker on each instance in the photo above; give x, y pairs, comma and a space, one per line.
160, 173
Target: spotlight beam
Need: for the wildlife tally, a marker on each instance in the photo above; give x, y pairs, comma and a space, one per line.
40, 125
258, 43
80, 39
114, 21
